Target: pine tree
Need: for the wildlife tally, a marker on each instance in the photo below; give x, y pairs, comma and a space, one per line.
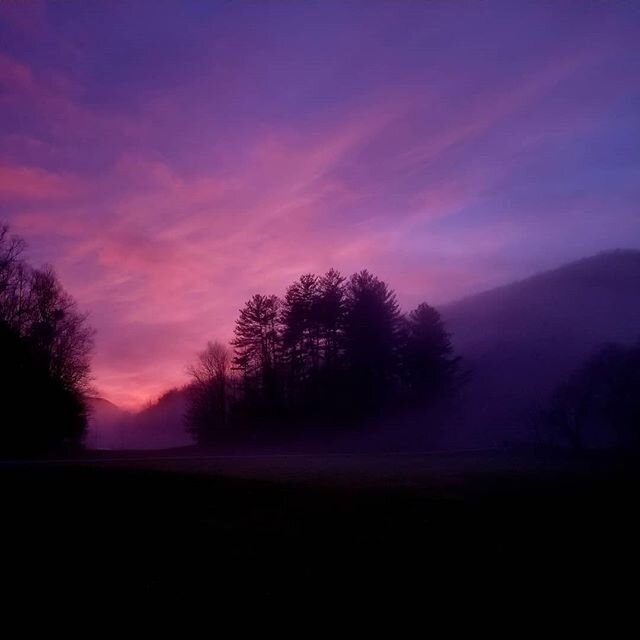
428, 365
371, 331
331, 317
301, 330
257, 347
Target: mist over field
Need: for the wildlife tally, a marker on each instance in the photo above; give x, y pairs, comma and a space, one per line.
517, 343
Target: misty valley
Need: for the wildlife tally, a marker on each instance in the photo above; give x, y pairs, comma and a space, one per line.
334, 301
333, 416
522, 358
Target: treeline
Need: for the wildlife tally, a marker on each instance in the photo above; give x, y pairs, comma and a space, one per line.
598, 406
45, 347
332, 351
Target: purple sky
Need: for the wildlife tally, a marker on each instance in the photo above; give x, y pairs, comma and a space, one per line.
172, 158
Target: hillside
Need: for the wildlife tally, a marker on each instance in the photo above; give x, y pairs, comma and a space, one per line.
519, 341
108, 424
159, 425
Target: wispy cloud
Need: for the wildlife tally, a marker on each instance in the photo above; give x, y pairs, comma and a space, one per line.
166, 195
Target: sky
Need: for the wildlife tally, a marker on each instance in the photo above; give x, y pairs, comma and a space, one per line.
171, 159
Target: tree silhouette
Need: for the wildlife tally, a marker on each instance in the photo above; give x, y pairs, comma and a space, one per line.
331, 313
45, 367
372, 325
331, 352
621, 392
208, 414
301, 336
257, 345
600, 402
14, 280
428, 365
59, 331
39, 412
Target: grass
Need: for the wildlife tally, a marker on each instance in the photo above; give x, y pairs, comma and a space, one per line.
149, 527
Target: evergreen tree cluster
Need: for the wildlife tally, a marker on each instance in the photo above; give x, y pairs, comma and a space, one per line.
332, 351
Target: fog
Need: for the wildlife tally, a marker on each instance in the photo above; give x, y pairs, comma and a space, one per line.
517, 343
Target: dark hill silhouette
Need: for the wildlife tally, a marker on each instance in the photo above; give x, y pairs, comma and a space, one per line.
108, 424
104, 409
522, 339
159, 425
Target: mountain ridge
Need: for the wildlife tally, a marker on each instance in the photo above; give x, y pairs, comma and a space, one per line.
522, 339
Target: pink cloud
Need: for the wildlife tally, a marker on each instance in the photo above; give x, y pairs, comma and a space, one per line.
163, 256
15, 77
32, 183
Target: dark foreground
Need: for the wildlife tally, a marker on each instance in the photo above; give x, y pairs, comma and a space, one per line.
134, 528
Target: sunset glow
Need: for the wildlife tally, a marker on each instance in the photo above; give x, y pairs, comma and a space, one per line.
171, 159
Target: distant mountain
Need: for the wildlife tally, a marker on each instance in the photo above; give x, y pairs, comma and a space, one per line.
519, 341
103, 409
161, 424
107, 423
158, 426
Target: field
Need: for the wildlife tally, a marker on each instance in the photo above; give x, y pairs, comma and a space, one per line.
147, 523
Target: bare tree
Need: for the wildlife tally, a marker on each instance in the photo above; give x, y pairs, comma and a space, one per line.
213, 365
45, 349
59, 331
600, 403
210, 389
14, 278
